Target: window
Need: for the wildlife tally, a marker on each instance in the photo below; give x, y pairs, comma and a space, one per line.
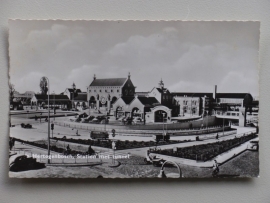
94, 90
105, 90
111, 90
89, 90
100, 90
117, 90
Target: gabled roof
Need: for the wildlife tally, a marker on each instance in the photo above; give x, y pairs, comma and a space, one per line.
192, 94
81, 97
149, 101
72, 90
55, 97
164, 90
109, 82
127, 100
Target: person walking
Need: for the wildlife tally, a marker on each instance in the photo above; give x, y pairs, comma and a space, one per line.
216, 168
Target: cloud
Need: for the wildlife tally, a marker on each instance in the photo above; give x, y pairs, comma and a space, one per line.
189, 56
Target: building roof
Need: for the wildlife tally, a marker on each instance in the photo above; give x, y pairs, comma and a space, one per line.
109, 82
127, 100
192, 94
232, 95
164, 90
81, 97
72, 90
141, 94
52, 97
149, 101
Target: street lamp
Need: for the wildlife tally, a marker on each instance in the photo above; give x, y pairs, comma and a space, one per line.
54, 105
42, 80
163, 125
106, 118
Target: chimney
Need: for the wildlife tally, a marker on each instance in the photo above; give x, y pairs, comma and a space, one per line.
215, 92
128, 75
94, 76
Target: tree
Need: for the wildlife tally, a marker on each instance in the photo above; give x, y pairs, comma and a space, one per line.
11, 91
43, 85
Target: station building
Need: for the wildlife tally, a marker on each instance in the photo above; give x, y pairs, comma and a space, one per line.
103, 93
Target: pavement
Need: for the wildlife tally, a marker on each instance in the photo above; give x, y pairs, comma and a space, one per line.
40, 132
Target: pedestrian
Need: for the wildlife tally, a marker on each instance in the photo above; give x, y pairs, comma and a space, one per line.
217, 136
216, 168
90, 150
13, 142
10, 143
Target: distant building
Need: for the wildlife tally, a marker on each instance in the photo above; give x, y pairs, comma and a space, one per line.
25, 98
56, 100
80, 101
199, 103
147, 108
72, 92
102, 93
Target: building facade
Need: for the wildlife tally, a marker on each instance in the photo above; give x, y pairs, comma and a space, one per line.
103, 93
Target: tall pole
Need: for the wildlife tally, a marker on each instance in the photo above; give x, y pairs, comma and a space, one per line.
48, 119
105, 119
163, 115
53, 105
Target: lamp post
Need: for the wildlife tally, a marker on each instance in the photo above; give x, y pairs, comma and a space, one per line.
41, 81
105, 119
163, 125
54, 105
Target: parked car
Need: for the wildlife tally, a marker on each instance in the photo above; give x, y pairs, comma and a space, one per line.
73, 109
83, 115
26, 125
94, 120
137, 120
160, 137
99, 135
16, 106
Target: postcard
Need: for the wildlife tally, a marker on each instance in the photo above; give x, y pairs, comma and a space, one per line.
133, 99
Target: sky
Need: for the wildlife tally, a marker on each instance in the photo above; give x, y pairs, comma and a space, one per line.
188, 56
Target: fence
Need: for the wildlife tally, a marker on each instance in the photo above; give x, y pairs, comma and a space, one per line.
99, 127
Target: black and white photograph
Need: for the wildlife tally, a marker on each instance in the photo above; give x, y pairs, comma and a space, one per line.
133, 99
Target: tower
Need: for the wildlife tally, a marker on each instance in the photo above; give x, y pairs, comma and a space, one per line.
161, 84
73, 86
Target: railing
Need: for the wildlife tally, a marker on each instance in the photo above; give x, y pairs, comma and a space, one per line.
142, 131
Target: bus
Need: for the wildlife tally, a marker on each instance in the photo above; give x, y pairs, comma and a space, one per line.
100, 135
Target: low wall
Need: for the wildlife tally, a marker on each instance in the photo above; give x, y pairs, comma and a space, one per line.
195, 125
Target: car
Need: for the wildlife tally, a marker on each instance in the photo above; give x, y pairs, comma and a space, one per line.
16, 106
64, 109
83, 115
95, 120
84, 108
137, 120
26, 125
99, 135
73, 109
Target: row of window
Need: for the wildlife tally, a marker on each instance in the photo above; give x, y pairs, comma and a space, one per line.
104, 91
